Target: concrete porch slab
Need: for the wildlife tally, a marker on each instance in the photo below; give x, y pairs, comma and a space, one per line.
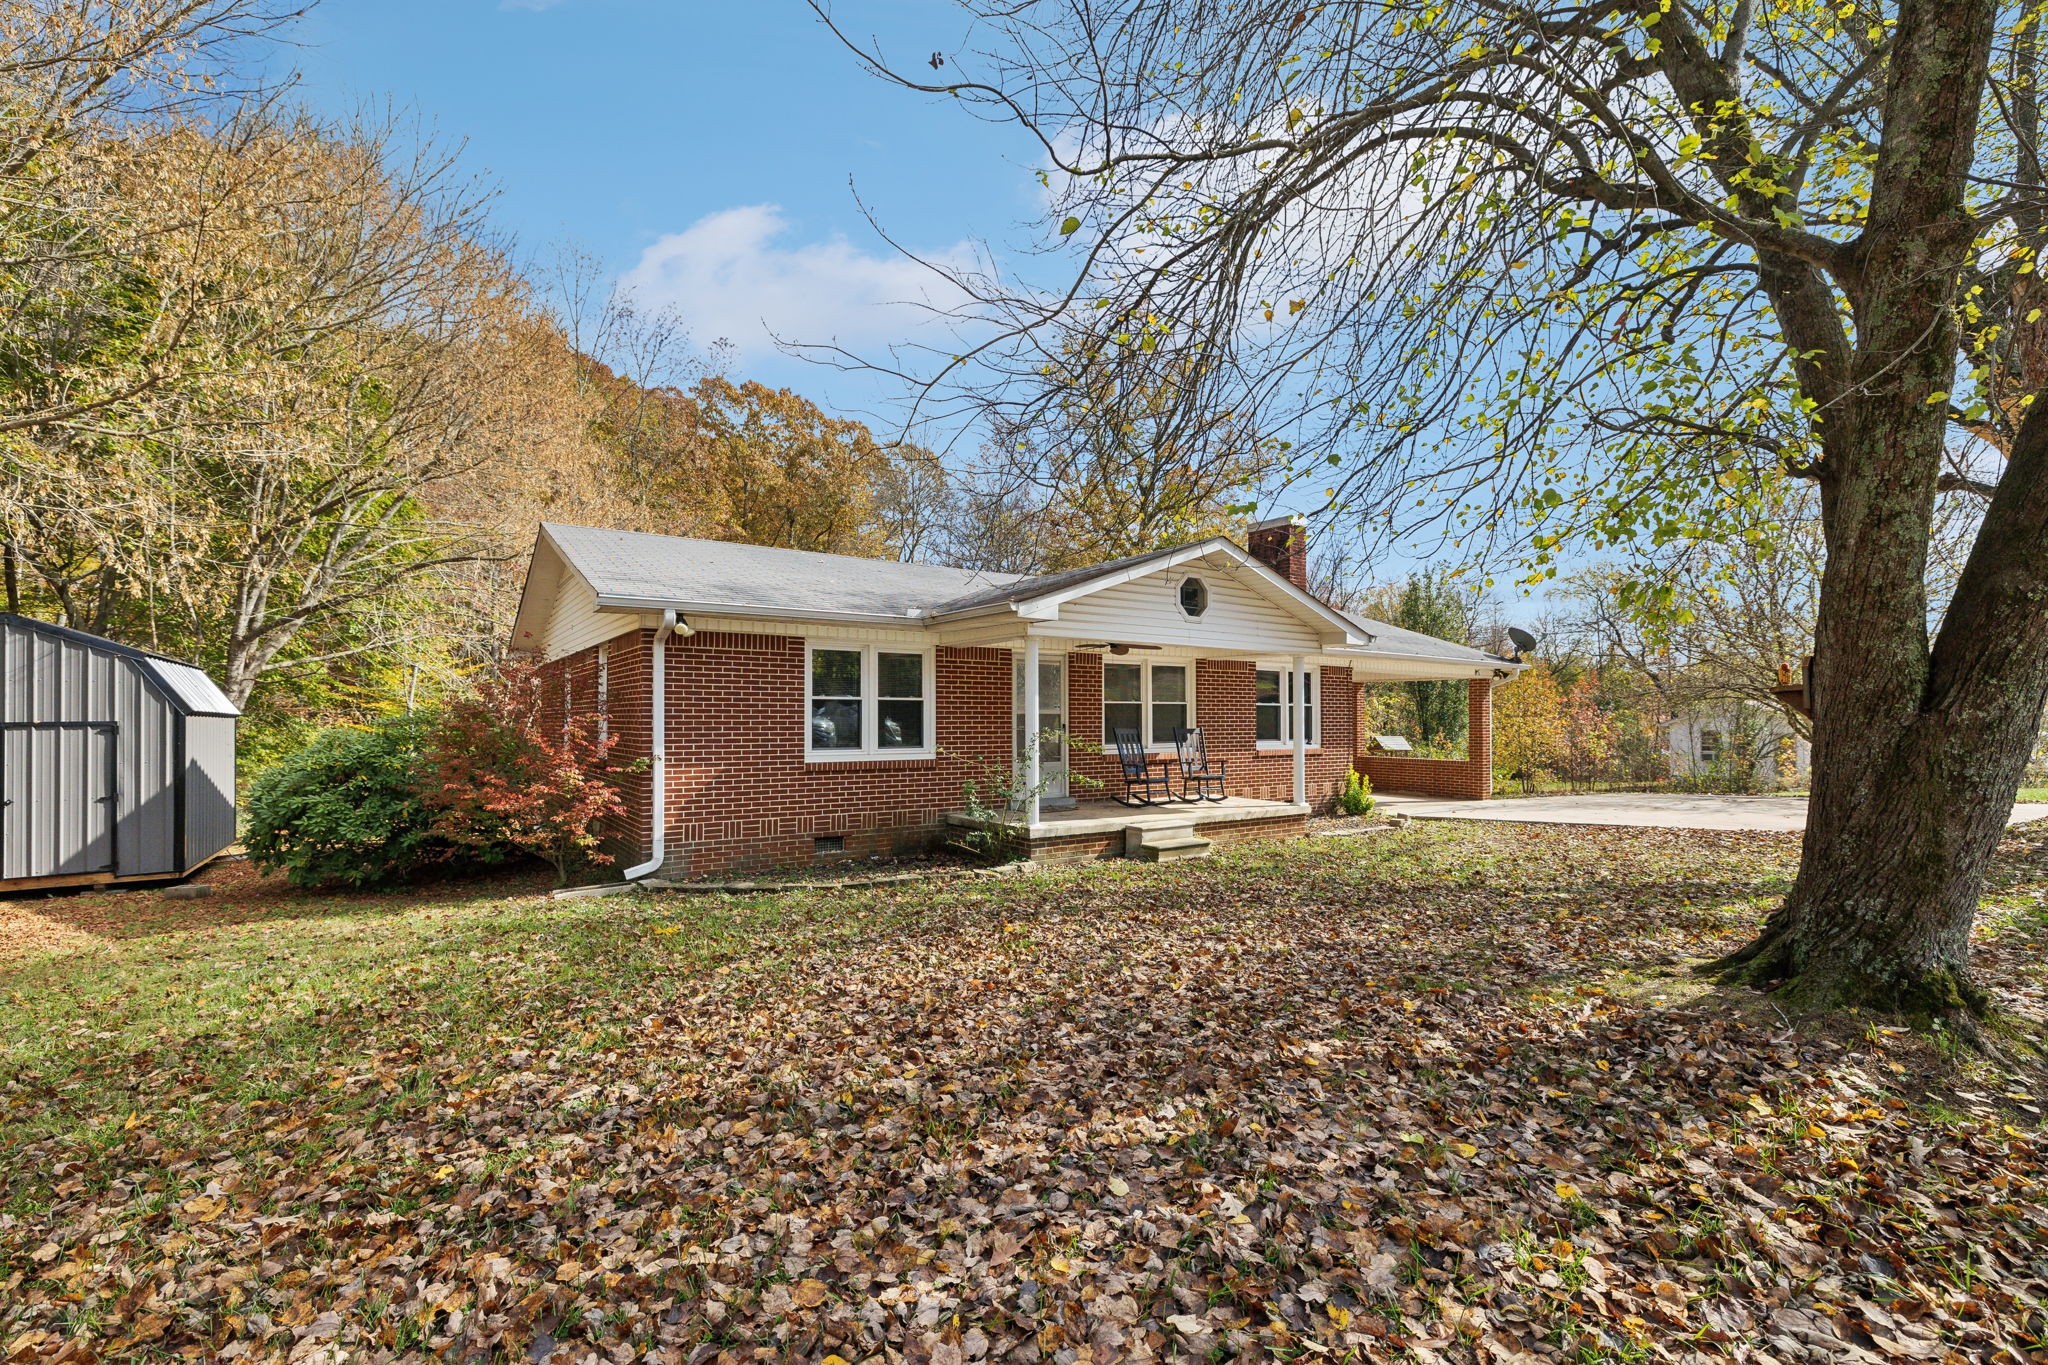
1107, 817
1643, 810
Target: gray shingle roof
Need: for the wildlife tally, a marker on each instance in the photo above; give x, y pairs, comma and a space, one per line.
1394, 640
634, 566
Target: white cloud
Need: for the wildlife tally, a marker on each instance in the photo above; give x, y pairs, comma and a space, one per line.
735, 275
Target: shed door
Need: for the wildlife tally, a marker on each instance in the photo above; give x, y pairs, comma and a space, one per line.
57, 783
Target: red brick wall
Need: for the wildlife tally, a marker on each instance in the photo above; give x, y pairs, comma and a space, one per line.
1466, 779
1223, 708
741, 795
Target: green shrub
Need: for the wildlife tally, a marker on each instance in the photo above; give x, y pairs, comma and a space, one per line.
346, 809
1356, 798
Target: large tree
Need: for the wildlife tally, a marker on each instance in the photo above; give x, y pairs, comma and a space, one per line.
1604, 271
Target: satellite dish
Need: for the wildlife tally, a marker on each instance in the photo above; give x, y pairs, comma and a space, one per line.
1522, 639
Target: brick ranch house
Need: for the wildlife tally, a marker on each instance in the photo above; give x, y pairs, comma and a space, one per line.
798, 706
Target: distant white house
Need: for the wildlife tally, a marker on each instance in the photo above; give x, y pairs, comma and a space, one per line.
1731, 738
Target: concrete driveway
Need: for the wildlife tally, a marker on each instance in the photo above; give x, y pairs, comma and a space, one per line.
1650, 810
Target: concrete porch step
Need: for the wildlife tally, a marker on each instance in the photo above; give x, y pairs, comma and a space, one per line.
1164, 843
1175, 850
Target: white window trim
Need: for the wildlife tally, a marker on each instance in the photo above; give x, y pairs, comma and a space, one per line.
1145, 668
1315, 701
870, 713
1208, 597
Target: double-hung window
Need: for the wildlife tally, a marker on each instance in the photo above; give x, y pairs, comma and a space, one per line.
1273, 706
1150, 698
868, 701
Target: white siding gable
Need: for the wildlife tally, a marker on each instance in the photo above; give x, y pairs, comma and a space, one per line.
576, 623
1147, 609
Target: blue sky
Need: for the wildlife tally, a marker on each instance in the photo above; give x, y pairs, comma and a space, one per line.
709, 152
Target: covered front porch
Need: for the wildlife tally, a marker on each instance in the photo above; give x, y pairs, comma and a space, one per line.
1087, 830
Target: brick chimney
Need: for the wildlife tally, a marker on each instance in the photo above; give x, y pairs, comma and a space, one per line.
1282, 543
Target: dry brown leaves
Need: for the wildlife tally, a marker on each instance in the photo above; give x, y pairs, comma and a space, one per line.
1436, 1098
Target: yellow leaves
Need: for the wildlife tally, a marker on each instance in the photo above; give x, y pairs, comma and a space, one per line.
203, 1208
1566, 1190
568, 1272
1465, 1149
1338, 1315
809, 1293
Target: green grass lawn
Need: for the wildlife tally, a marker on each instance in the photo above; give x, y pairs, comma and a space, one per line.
1442, 1094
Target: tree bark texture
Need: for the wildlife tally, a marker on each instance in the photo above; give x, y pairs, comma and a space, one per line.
1919, 745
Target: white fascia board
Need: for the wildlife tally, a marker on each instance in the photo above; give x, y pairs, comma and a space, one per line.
614, 602
1423, 667
530, 619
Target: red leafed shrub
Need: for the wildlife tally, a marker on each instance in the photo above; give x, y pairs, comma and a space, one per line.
505, 775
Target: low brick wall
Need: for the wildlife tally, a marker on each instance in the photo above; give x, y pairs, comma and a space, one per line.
1086, 848
1452, 779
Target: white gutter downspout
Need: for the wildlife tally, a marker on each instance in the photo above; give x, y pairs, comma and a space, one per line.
671, 624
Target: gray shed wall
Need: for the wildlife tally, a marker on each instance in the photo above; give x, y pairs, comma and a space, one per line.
53, 777
209, 786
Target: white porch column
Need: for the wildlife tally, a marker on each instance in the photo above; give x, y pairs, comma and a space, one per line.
1031, 783
1300, 729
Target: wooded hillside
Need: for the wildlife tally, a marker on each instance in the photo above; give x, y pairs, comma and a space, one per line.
275, 397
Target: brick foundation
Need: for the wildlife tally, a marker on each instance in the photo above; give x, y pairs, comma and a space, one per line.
1086, 848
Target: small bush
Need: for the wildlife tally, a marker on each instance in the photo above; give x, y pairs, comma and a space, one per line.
501, 775
1356, 798
345, 810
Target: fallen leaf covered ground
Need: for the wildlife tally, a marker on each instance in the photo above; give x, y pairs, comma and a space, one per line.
1440, 1095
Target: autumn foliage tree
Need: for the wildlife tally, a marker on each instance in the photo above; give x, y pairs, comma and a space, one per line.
1529, 724
509, 773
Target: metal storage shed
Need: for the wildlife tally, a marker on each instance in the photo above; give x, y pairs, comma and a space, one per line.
116, 764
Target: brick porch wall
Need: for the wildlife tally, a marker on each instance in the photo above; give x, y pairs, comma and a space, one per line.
1461, 779
1223, 708
1085, 848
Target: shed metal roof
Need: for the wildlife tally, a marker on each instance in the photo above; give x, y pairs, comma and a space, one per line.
188, 686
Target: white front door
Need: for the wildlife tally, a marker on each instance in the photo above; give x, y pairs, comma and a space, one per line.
1052, 722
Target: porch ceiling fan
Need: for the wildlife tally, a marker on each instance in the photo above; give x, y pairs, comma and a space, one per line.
1115, 648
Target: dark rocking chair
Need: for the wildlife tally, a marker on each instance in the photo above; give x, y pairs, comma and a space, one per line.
1199, 780
1144, 785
